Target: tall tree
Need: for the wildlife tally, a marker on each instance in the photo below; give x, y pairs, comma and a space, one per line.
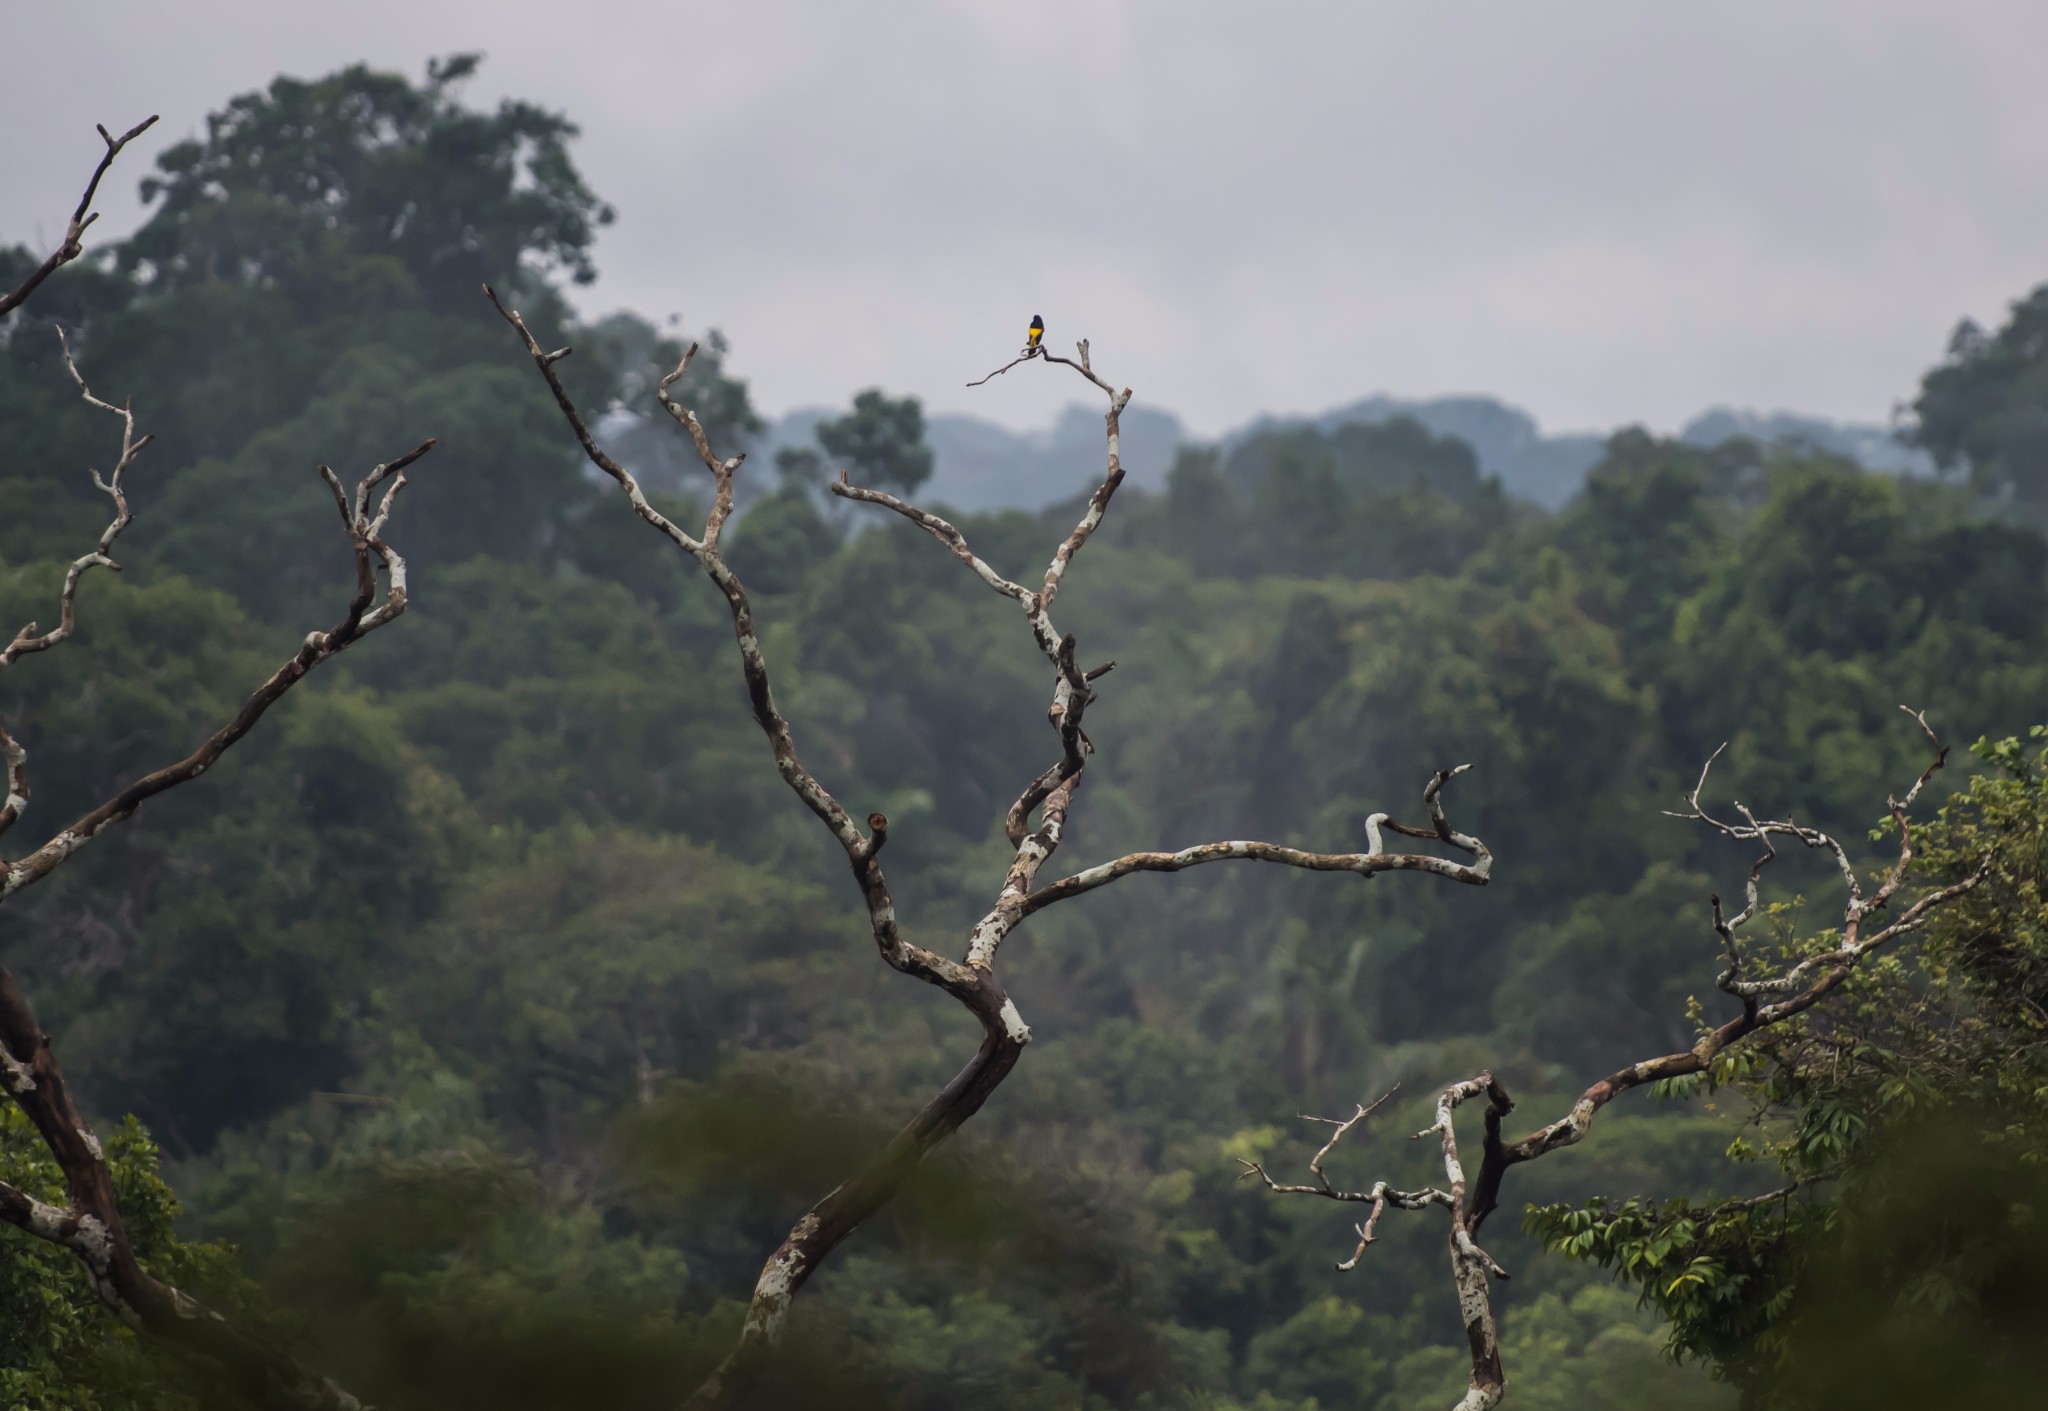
307, 174
881, 440
1984, 409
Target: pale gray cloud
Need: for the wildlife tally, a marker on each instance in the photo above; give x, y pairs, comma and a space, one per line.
1601, 209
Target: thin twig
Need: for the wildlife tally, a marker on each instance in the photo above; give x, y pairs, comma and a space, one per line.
82, 217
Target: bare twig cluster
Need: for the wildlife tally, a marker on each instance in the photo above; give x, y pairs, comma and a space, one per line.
1034, 825
89, 1222
1802, 985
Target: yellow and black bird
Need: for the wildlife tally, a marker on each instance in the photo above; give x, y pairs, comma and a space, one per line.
1037, 332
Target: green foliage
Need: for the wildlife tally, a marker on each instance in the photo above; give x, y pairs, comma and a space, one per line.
499, 1002
362, 163
1717, 1275
1912, 1116
63, 1351
1981, 409
1370, 501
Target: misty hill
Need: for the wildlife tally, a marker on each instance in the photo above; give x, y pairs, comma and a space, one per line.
1873, 447
1531, 465
984, 466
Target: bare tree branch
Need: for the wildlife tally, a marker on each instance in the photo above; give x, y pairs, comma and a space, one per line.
1024, 357
28, 640
360, 621
938, 528
861, 848
1364, 863
1471, 1266
90, 1224
1379, 1197
74, 230
1047, 798
1804, 984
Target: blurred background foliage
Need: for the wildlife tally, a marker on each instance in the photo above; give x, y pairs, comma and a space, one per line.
495, 1011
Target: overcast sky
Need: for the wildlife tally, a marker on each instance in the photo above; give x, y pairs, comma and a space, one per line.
1603, 210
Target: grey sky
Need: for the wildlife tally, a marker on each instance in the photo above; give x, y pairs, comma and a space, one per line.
1605, 210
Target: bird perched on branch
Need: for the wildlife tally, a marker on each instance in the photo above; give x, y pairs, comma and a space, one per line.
1037, 332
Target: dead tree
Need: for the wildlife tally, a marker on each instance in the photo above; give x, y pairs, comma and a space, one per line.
89, 1222
1034, 825
1869, 924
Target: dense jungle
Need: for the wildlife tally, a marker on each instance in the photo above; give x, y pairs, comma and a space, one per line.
481, 1022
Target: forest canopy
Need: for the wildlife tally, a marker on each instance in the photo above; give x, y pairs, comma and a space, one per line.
480, 1024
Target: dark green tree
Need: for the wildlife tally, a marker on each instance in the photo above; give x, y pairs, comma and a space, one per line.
881, 440
307, 175
1984, 409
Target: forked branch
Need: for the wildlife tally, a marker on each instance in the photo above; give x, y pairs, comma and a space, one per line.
1804, 984
1471, 1266
1004, 1032
1379, 1196
1034, 824
365, 615
30, 639
73, 244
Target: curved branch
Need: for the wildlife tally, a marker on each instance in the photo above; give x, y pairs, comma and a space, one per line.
1806, 984
1083, 367
861, 849
1366, 864
938, 528
318, 647
827, 1224
90, 1226
74, 230
28, 641
1004, 1032
1024, 357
